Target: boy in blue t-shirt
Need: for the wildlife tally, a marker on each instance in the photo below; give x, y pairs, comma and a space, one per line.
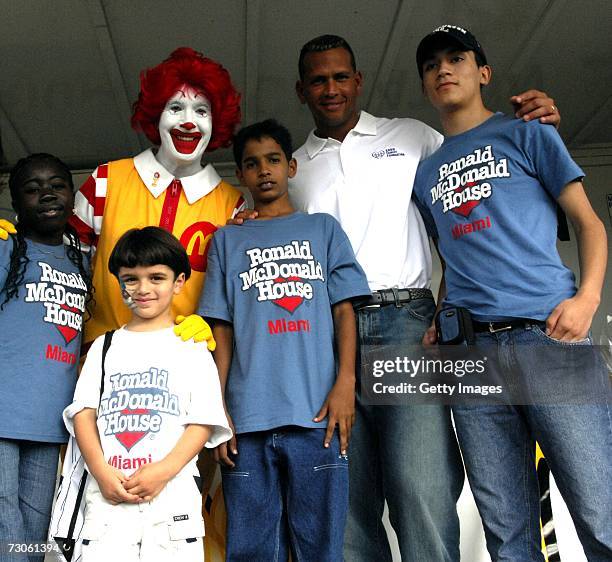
488, 197
279, 291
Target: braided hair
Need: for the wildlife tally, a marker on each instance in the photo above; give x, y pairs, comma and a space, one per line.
19, 259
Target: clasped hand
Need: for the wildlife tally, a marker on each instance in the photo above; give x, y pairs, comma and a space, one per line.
142, 486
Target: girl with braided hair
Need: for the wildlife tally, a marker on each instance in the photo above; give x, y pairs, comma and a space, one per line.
45, 288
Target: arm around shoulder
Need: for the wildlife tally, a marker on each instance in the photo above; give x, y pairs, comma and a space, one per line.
534, 104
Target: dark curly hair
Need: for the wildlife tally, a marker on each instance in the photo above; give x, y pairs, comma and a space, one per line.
19, 259
186, 66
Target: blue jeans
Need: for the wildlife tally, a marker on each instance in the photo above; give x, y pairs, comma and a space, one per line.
498, 446
286, 492
27, 481
406, 455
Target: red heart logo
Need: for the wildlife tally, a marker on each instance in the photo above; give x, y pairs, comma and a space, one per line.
466, 208
288, 303
66, 331
129, 438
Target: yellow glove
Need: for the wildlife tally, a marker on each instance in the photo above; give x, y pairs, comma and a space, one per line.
194, 327
6, 228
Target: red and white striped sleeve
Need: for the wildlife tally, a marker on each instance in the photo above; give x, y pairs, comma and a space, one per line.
240, 206
89, 203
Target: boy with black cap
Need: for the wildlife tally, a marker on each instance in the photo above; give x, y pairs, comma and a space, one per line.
488, 196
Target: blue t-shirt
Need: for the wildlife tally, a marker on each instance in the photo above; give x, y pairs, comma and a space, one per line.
275, 281
41, 335
488, 195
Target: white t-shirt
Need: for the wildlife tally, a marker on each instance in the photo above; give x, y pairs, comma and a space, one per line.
155, 385
365, 182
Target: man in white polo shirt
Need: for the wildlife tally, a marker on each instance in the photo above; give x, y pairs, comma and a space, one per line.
360, 169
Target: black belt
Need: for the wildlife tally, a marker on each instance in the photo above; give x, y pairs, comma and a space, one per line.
503, 326
394, 296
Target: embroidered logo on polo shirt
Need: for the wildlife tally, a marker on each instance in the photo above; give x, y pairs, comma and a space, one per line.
387, 152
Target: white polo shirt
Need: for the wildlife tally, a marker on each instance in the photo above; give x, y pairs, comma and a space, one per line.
365, 182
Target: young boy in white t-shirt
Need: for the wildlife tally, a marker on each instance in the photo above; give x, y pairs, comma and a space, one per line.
141, 431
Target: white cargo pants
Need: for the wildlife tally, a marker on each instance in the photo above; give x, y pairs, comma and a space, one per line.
168, 529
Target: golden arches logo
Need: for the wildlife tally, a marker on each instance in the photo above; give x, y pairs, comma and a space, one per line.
196, 239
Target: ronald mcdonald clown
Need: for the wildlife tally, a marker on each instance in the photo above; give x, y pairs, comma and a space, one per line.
187, 105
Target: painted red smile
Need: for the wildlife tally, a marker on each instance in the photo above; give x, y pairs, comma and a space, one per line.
185, 142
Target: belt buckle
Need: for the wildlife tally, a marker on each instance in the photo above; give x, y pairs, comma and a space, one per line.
493, 330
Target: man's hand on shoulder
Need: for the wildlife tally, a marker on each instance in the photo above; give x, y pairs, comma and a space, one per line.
194, 327
247, 214
6, 228
534, 104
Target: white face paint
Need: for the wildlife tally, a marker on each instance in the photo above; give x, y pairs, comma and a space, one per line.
185, 128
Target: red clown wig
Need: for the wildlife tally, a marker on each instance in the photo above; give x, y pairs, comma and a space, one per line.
187, 67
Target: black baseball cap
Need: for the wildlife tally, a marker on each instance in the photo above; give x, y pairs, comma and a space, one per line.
445, 36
